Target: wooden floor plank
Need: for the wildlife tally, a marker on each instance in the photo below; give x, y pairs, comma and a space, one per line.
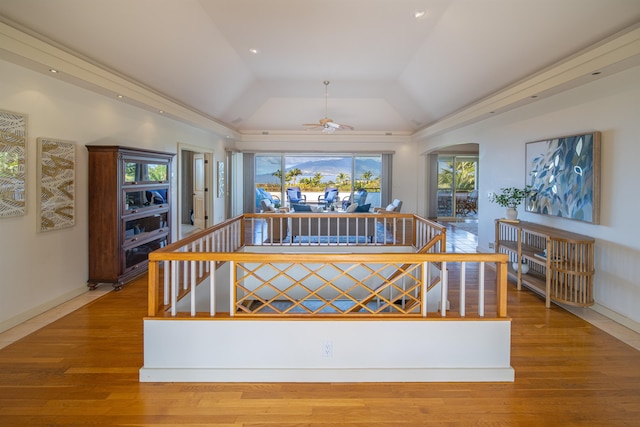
83, 370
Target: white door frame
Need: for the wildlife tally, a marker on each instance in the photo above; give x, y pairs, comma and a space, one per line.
208, 177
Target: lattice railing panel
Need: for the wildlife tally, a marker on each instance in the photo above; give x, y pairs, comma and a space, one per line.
339, 288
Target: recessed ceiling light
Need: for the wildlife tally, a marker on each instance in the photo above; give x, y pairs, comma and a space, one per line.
254, 51
161, 111
120, 96
53, 70
419, 14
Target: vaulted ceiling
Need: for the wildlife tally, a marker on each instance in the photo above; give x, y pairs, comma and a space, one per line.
389, 70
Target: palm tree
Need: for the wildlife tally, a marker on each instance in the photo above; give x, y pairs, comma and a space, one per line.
293, 174
367, 175
317, 179
342, 179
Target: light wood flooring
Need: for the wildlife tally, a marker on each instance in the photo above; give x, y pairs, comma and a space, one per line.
82, 369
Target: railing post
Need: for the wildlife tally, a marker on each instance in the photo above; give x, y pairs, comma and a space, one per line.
501, 289
425, 287
174, 286
212, 288
232, 288
481, 289
444, 284
167, 280
463, 288
153, 297
193, 286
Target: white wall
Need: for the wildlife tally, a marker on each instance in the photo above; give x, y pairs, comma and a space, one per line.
41, 270
610, 105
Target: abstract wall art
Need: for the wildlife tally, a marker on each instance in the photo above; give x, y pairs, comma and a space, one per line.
13, 151
56, 184
564, 175
221, 189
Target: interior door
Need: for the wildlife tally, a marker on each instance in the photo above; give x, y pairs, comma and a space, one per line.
199, 210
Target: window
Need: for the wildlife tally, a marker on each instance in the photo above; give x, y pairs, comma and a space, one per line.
313, 173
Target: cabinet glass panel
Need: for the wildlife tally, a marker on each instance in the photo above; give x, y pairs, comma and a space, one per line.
138, 254
138, 228
136, 172
135, 200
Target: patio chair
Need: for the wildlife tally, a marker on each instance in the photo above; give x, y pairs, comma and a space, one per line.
262, 194
294, 195
330, 196
360, 197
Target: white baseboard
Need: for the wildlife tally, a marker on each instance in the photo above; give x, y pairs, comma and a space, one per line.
617, 317
259, 375
35, 311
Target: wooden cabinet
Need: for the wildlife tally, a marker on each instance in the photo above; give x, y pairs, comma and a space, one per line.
559, 264
129, 211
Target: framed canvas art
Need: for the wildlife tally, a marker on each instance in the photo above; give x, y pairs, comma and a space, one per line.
56, 184
221, 183
564, 175
13, 153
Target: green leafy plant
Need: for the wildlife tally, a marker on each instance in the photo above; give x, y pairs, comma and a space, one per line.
510, 197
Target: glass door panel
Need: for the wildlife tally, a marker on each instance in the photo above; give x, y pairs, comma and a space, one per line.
445, 186
457, 186
139, 172
268, 180
368, 172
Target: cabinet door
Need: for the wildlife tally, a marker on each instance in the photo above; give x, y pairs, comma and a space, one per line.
137, 228
136, 256
140, 199
144, 171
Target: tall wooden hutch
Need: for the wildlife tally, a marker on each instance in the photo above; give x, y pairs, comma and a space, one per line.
129, 211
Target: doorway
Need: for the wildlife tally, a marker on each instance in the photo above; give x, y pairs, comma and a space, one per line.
457, 186
453, 183
195, 207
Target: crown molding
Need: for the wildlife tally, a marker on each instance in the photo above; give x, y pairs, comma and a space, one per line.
613, 54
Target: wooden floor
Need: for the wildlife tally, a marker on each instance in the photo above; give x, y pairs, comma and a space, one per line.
83, 370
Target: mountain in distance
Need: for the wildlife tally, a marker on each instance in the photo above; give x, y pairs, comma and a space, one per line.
329, 168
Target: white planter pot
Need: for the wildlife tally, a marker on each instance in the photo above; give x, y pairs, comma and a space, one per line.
512, 213
524, 267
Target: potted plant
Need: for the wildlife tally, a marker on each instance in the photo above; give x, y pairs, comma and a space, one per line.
510, 198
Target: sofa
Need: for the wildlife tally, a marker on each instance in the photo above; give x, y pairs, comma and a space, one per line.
393, 207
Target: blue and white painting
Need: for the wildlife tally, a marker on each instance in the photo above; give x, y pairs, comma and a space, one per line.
564, 177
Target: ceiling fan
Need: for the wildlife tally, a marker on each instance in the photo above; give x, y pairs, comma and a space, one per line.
327, 124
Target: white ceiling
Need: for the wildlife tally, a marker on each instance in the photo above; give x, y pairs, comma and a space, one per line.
389, 71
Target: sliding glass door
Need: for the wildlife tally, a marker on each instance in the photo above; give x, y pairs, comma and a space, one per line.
457, 186
349, 173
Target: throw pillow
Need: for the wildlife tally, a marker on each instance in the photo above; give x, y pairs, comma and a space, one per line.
301, 208
391, 207
363, 208
352, 207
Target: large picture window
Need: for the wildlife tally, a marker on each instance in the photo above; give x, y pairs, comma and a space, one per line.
351, 174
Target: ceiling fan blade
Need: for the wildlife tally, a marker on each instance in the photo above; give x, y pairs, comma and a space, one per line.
327, 124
